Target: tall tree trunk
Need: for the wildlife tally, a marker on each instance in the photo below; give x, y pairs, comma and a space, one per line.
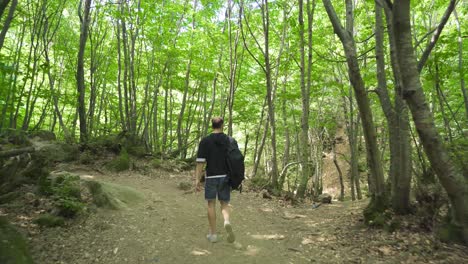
180, 119
10, 100
397, 119
379, 197
270, 96
448, 173
80, 79
267, 69
123, 124
305, 92
233, 64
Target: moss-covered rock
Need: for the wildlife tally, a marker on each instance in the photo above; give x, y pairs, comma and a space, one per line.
58, 152
16, 137
120, 163
43, 135
48, 220
100, 198
113, 196
13, 247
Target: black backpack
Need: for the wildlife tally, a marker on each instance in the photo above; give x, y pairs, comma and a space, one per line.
235, 164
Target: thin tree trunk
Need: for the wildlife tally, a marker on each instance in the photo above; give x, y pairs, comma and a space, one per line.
440, 99
183, 106
340, 173
123, 125
3, 5
8, 20
461, 70
258, 152
305, 92
266, 67
80, 79
10, 100
427, 51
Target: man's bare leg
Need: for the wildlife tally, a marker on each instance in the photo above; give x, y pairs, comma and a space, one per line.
212, 216
227, 223
225, 211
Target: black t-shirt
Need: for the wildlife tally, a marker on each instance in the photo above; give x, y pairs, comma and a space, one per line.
212, 150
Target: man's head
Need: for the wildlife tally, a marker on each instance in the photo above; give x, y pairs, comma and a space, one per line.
217, 122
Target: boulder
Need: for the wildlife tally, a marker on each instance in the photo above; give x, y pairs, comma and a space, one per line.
112, 196
43, 135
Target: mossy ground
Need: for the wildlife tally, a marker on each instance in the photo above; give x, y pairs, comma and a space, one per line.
13, 247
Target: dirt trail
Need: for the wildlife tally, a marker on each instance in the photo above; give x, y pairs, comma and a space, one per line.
170, 227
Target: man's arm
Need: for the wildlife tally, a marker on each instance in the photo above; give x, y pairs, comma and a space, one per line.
198, 174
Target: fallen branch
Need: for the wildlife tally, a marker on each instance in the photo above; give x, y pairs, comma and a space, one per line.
15, 152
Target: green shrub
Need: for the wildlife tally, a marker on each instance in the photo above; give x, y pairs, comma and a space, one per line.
120, 163
45, 185
258, 183
137, 151
65, 189
48, 220
69, 207
87, 157
156, 163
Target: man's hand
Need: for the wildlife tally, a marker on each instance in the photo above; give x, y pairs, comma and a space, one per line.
198, 186
198, 173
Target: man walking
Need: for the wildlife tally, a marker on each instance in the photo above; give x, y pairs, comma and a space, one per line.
212, 152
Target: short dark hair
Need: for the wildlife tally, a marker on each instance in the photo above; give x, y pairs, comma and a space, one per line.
217, 122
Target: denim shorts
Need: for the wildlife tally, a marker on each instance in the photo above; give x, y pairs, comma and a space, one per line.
217, 187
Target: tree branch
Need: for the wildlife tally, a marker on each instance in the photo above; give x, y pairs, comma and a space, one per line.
436, 35
245, 42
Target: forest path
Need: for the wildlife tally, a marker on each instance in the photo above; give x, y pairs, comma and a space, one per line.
170, 226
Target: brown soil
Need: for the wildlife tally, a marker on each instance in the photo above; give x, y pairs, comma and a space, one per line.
170, 227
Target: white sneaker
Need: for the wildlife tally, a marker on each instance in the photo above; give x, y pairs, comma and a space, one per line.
213, 238
230, 238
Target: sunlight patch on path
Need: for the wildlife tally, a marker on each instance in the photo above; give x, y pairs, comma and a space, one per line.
269, 237
290, 216
252, 250
200, 252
